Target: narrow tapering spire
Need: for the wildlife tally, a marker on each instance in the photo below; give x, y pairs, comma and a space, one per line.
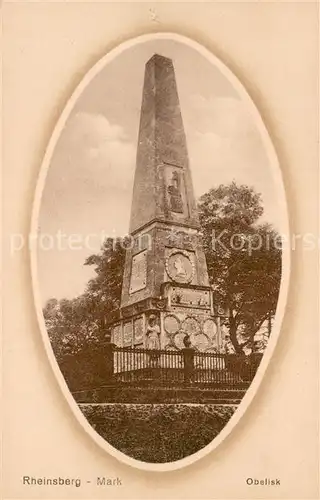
162, 186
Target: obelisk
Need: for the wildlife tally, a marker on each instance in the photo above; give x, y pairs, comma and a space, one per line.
165, 280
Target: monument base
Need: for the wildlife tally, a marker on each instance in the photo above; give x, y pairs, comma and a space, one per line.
183, 316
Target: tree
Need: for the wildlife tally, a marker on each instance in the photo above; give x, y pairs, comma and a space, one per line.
103, 292
74, 324
243, 258
69, 327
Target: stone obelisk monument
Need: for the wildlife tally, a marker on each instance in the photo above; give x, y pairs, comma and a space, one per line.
166, 298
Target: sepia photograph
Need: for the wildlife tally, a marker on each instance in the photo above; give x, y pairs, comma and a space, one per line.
160, 257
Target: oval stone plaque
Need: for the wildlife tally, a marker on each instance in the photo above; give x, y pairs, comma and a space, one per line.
210, 328
191, 326
171, 324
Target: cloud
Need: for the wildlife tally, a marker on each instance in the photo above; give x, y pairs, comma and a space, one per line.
96, 127
87, 191
101, 147
226, 116
223, 143
90, 174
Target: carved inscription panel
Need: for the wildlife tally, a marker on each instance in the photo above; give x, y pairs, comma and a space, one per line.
127, 333
138, 278
138, 330
190, 297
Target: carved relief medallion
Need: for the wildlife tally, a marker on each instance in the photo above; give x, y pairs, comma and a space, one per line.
171, 324
210, 328
180, 267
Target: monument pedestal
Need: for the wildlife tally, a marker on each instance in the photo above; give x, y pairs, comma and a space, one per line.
180, 311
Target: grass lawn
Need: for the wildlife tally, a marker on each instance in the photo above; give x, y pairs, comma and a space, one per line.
158, 433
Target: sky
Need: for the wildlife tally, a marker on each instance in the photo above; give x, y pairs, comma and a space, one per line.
88, 189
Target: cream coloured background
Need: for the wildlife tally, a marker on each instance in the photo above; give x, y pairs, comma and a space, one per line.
272, 48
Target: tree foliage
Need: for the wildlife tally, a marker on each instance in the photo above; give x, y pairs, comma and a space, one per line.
243, 258
73, 324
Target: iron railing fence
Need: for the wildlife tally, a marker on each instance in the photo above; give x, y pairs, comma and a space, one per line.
186, 366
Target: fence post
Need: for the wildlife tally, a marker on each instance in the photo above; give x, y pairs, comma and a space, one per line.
188, 365
109, 361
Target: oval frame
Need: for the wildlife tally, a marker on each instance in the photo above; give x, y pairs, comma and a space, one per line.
284, 285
